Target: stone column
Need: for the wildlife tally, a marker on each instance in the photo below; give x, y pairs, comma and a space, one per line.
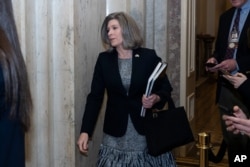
60, 40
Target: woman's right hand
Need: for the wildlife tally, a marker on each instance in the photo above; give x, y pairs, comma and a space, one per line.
148, 102
83, 143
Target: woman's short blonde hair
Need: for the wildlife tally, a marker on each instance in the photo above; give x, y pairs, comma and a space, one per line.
131, 34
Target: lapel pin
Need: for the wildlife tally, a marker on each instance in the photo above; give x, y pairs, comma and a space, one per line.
137, 55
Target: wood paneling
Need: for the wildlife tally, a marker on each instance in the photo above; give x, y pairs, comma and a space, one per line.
206, 119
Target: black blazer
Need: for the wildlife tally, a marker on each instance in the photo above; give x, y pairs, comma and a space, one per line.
243, 51
244, 90
119, 103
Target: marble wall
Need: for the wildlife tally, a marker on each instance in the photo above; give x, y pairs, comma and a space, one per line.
60, 40
89, 15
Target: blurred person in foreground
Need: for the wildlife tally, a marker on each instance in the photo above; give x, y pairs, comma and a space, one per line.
15, 97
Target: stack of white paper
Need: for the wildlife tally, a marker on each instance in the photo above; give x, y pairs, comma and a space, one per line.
157, 71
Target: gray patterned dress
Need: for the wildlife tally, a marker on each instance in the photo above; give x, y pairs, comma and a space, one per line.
129, 150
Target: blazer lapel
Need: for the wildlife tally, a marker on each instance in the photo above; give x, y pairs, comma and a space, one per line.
136, 60
114, 72
245, 28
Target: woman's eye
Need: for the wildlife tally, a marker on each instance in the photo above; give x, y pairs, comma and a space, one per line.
114, 28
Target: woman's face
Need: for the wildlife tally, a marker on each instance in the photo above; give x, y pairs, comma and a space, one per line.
237, 3
114, 33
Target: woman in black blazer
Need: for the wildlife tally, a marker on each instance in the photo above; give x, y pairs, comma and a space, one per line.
122, 71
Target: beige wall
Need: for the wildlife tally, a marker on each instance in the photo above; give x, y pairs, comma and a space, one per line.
207, 13
60, 42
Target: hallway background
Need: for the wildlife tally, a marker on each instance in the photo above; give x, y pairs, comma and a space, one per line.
60, 40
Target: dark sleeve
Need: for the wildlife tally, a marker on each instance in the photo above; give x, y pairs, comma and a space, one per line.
94, 100
222, 37
244, 90
162, 88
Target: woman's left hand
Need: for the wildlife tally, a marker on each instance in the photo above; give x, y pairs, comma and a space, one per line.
149, 101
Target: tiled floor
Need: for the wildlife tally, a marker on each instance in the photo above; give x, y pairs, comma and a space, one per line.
207, 120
